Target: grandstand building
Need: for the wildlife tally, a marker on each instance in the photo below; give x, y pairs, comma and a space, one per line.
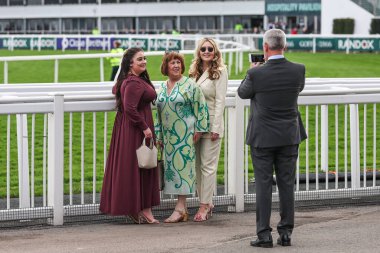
184, 16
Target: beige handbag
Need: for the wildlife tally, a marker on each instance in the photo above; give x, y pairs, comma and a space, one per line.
147, 156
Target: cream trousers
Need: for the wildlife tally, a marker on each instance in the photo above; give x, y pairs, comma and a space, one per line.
207, 157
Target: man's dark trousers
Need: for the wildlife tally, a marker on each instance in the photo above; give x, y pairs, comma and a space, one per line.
283, 160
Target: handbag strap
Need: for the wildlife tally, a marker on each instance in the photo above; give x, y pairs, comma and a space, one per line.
150, 143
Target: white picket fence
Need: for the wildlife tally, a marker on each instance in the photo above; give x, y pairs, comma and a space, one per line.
58, 105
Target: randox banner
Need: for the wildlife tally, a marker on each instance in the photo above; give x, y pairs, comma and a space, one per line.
28, 43
43, 43
133, 42
16, 43
331, 44
164, 44
352, 44
359, 44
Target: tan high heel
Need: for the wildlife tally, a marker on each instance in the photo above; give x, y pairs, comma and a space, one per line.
183, 217
203, 216
145, 219
211, 208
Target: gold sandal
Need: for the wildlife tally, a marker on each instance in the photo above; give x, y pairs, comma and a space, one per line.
183, 217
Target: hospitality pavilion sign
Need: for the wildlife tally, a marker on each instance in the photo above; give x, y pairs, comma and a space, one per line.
293, 7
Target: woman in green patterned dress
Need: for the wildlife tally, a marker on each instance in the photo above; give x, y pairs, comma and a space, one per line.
182, 118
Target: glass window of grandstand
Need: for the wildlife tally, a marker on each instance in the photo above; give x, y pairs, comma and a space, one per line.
118, 25
12, 26
86, 25
143, 1
3, 2
156, 25
109, 1
16, 2
70, 25
6, 26
44, 26
52, 1
35, 26
242, 24
200, 24
70, 1
295, 24
89, 1
78, 25
33, 2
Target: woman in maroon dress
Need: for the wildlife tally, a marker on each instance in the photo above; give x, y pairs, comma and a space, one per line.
127, 189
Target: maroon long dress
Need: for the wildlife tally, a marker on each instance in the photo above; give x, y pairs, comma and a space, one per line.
127, 189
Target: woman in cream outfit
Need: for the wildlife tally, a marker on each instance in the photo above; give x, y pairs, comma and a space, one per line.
210, 73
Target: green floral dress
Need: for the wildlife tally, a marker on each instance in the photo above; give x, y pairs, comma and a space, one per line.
179, 115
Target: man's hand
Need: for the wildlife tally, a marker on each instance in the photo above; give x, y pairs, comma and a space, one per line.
214, 136
255, 64
197, 136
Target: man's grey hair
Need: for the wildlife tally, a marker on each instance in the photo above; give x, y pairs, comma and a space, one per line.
275, 38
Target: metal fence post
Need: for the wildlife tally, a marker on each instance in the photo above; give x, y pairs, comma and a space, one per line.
101, 69
23, 160
55, 160
236, 153
56, 70
324, 138
355, 146
5, 72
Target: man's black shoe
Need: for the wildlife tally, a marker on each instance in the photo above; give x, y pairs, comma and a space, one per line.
263, 243
284, 240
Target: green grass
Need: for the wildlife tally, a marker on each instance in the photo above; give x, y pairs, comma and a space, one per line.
317, 65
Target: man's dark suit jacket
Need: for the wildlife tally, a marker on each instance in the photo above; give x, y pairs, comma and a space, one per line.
273, 89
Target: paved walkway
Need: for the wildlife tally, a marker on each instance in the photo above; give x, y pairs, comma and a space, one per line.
354, 229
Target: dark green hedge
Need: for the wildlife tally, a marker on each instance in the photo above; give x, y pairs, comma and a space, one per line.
375, 26
343, 26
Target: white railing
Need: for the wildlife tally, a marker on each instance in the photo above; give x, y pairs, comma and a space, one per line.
78, 121
233, 49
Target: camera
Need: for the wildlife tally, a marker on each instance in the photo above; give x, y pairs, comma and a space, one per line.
256, 58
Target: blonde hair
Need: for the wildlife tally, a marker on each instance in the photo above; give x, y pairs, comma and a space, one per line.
214, 70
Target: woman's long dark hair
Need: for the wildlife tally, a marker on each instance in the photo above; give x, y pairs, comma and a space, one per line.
124, 71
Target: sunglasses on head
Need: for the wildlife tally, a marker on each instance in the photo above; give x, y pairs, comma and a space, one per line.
209, 49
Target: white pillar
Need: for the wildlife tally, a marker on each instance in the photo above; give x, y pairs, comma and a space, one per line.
324, 138
355, 146
23, 160
101, 69
56, 70
6, 72
55, 160
236, 153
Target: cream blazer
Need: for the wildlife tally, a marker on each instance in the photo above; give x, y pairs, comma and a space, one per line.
215, 94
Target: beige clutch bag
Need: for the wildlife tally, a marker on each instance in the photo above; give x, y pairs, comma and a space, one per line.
147, 156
